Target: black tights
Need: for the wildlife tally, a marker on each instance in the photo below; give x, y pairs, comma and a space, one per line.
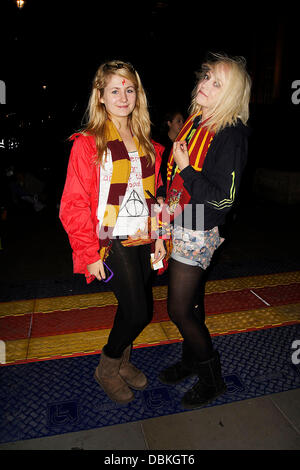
132, 286
186, 291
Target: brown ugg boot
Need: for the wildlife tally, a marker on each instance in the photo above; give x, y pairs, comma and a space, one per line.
132, 376
108, 377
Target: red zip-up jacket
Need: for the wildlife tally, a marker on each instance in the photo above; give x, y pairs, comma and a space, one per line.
79, 202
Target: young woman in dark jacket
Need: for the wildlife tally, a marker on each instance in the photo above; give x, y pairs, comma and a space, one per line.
203, 176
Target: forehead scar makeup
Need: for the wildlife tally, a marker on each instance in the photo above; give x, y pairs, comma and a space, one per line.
123, 82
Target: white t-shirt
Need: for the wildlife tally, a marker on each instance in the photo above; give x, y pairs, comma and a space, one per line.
133, 213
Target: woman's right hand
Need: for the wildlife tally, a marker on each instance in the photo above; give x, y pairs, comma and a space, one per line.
181, 154
97, 269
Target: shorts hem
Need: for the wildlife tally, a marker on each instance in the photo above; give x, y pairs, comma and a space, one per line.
184, 260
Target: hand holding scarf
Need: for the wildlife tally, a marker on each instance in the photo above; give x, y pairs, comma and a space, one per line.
181, 154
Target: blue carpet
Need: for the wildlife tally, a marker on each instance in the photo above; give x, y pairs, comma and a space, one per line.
60, 396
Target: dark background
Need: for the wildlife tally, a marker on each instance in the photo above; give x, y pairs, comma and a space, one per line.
60, 44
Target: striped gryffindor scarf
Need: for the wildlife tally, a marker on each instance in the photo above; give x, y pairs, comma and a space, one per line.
118, 184
198, 140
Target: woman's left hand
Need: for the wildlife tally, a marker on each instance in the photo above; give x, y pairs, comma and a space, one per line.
181, 154
160, 251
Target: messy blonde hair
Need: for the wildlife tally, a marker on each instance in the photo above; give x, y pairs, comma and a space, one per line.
233, 103
97, 116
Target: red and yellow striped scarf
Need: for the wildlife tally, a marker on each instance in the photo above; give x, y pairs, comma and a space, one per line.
118, 184
198, 145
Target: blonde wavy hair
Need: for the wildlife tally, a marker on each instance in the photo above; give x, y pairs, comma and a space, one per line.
97, 115
233, 103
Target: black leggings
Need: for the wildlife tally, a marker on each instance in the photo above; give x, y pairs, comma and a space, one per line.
186, 308
132, 287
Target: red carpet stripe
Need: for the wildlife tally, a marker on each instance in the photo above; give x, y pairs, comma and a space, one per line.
280, 295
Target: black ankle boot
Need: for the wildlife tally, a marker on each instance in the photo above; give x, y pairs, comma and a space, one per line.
181, 370
209, 386
175, 374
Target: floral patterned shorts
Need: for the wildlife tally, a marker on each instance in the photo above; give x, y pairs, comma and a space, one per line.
195, 247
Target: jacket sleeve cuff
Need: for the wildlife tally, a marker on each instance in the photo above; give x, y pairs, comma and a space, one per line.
187, 173
90, 277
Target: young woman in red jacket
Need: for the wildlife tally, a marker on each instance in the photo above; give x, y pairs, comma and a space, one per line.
106, 211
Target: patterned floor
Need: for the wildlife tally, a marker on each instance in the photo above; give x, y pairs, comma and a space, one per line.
64, 326
253, 320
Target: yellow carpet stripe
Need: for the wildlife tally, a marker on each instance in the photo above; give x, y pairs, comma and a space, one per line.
20, 307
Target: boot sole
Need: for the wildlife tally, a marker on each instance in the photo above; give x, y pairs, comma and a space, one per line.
190, 406
121, 402
133, 386
136, 388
